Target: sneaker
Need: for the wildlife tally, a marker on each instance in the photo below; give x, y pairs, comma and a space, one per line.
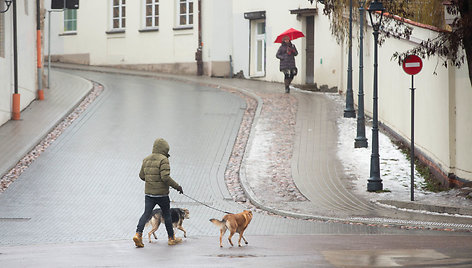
174, 241
138, 240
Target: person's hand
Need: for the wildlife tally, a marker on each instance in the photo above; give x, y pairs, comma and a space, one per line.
180, 190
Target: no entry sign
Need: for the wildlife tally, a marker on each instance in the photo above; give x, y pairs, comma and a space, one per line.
412, 64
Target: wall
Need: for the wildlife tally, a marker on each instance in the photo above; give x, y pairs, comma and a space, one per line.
442, 103
26, 26
217, 36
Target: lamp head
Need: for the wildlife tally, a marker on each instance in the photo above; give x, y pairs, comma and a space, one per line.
376, 6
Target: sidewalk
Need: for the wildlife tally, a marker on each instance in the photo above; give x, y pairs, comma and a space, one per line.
322, 188
19, 137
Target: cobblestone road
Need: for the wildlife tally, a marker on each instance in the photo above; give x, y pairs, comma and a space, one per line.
85, 186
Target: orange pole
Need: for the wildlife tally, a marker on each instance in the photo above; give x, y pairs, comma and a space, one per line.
16, 107
16, 95
38, 52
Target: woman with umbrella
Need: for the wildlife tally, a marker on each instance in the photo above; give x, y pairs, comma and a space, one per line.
286, 54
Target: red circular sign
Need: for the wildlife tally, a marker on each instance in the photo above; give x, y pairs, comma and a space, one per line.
412, 64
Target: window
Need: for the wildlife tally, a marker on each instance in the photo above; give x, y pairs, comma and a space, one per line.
70, 20
185, 15
119, 14
152, 14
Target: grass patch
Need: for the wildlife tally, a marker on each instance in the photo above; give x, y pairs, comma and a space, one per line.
431, 183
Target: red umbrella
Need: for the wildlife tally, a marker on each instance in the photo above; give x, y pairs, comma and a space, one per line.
291, 33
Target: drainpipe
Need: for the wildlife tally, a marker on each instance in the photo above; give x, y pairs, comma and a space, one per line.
199, 53
249, 58
38, 50
16, 95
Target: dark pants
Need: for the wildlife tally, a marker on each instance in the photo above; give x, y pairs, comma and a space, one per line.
149, 204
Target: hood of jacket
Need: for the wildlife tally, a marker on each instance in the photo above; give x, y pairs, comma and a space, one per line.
289, 44
161, 147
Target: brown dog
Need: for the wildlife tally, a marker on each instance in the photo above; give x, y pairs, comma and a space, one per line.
235, 223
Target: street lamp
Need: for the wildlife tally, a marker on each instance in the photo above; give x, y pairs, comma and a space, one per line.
361, 140
8, 3
375, 183
349, 112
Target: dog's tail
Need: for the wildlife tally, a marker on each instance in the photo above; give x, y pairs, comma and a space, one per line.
219, 223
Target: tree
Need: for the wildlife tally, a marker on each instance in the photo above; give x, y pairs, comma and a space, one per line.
451, 43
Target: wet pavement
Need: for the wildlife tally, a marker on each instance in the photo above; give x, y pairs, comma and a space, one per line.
83, 194
86, 182
262, 251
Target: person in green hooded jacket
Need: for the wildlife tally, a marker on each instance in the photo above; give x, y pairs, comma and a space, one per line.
155, 171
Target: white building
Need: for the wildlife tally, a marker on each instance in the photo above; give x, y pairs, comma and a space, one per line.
153, 35
27, 57
164, 36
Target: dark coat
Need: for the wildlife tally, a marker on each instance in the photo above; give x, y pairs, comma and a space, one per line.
155, 170
286, 54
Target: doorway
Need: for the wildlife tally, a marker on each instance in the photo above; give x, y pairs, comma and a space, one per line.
310, 49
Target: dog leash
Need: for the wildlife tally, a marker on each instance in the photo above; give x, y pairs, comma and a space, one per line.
207, 205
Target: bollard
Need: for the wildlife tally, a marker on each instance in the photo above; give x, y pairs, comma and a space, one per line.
16, 107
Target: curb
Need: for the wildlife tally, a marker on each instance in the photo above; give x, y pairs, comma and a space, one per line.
425, 207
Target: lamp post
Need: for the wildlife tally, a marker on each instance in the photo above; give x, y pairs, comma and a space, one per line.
349, 112
361, 140
374, 182
7, 3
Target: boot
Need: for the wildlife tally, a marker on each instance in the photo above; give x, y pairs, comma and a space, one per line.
138, 240
174, 241
287, 85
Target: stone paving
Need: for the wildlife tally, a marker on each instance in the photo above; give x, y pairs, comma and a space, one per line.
58, 104
86, 182
85, 187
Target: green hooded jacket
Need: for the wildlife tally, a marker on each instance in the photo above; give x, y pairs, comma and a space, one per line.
155, 170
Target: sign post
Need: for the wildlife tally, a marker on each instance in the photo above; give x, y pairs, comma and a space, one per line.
412, 65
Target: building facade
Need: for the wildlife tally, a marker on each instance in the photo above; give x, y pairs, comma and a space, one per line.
27, 57
162, 36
